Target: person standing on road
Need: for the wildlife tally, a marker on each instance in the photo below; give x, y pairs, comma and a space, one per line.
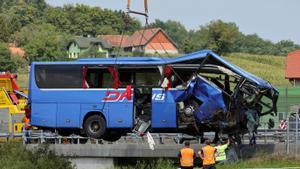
208, 155
186, 156
27, 127
221, 158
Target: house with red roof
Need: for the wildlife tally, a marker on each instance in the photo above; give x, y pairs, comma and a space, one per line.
116, 40
153, 40
150, 41
293, 67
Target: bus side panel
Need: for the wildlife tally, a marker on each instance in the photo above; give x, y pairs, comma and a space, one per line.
44, 114
67, 115
120, 115
115, 107
163, 109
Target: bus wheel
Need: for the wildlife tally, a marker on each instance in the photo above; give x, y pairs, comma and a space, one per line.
95, 126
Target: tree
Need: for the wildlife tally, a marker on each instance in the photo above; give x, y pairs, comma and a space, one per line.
283, 47
8, 25
218, 36
15, 14
58, 17
42, 42
26, 14
7, 63
40, 5
85, 20
256, 45
197, 40
188, 46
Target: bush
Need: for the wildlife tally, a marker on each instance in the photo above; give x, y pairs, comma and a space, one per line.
150, 164
16, 156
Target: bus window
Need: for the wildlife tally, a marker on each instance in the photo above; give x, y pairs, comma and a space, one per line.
99, 78
107, 80
102, 78
126, 77
58, 76
148, 77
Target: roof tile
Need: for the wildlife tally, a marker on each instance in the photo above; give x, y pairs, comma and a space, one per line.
142, 37
293, 65
115, 40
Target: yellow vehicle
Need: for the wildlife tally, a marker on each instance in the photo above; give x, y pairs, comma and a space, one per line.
12, 102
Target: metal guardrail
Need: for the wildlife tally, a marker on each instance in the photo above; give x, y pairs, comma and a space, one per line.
41, 137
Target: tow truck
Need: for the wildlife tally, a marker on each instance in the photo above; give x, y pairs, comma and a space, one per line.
13, 100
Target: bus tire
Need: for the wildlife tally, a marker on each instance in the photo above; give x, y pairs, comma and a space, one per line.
95, 126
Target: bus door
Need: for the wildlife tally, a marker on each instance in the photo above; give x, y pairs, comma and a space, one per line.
120, 110
163, 108
157, 103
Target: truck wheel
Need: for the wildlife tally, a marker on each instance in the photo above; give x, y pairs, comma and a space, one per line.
95, 126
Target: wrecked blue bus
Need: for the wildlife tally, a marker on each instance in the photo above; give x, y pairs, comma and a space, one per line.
109, 97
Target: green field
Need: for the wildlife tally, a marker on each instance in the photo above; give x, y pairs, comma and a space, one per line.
270, 68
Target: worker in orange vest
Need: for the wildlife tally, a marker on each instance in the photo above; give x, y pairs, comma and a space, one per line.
208, 155
27, 127
26, 121
186, 156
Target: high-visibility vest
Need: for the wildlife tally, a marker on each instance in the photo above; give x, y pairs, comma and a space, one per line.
187, 157
208, 155
26, 122
221, 152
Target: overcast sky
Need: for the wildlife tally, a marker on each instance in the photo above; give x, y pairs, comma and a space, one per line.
274, 20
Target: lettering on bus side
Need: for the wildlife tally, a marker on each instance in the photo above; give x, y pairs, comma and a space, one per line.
115, 96
159, 97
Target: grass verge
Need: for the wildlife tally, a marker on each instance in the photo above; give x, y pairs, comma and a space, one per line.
16, 156
260, 161
272, 161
